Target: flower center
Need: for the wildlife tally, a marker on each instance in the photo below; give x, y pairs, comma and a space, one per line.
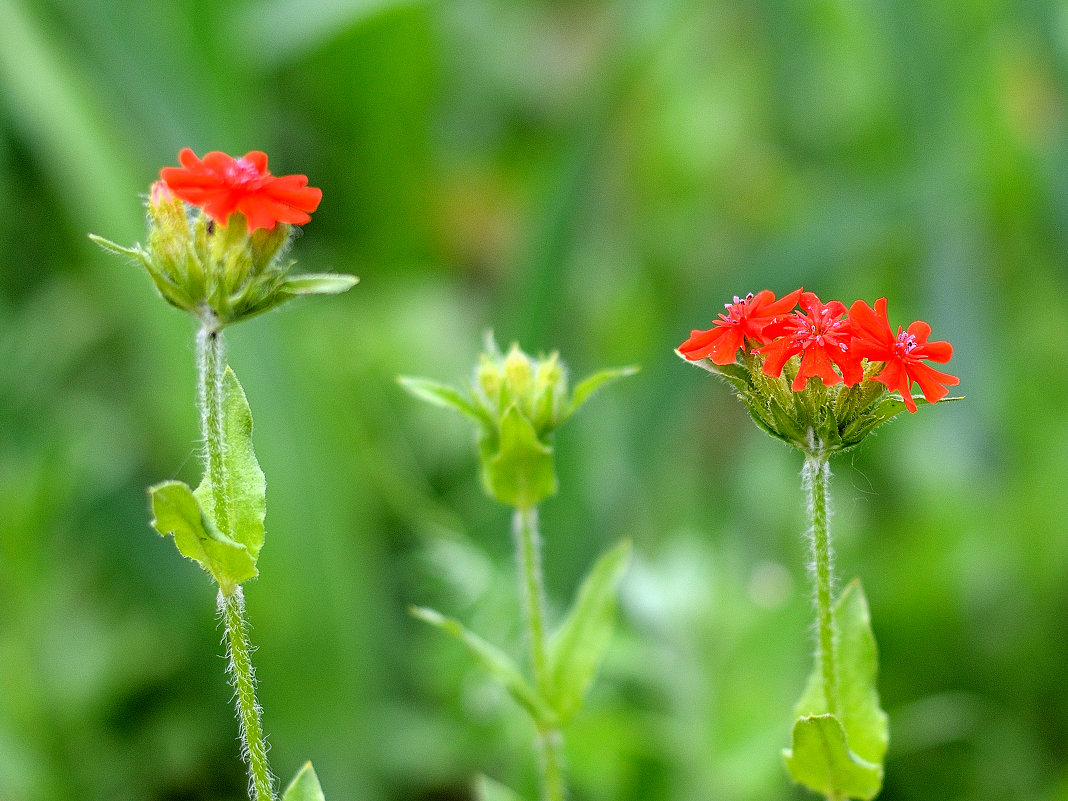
905, 344
242, 172
739, 309
822, 332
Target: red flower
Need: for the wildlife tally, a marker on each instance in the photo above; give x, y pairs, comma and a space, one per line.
821, 337
221, 185
745, 319
902, 353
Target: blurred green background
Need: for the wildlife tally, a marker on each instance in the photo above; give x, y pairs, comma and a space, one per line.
598, 177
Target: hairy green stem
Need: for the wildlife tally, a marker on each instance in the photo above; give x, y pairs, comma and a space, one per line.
243, 679
817, 477
211, 367
532, 591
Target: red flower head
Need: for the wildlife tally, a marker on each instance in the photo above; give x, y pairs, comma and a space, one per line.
221, 185
903, 353
745, 319
821, 337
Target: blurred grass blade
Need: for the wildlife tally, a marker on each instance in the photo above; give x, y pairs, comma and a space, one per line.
494, 661
486, 789
578, 646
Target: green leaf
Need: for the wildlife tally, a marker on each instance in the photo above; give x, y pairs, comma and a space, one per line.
520, 472
177, 513
319, 284
577, 647
587, 386
246, 488
822, 761
112, 247
305, 786
495, 662
444, 395
486, 789
865, 732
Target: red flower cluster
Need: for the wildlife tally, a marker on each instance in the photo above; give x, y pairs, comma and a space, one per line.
825, 336
221, 185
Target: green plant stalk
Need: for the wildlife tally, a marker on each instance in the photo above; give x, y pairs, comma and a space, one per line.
532, 591
211, 366
816, 477
243, 679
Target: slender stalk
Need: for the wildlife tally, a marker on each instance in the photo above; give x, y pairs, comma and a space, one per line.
211, 367
816, 477
532, 591
243, 679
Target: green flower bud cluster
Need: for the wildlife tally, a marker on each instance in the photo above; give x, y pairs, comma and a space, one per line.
819, 420
220, 274
517, 401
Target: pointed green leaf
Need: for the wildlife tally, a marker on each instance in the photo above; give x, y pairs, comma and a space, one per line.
493, 661
520, 472
177, 513
822, 761
486, 789
858, 665
863, 722
246, 488
319, 283
577, 647
587, 386
444, 395
107, 244
305, 786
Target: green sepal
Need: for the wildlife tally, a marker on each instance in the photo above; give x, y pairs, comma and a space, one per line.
177, 513
517, 467
445, 396
822, 761
486, 789
246, 490
585, 388
863, 724
165, 283
495, 662
578, 646
305, 786
319, 284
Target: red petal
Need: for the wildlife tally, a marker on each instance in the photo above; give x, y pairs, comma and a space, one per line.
920, 330
815, 362
929, 380
777, 353
724, 350
257, 159
871, 323
935, 351
896, 379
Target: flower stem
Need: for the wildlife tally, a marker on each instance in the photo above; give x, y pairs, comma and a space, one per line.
532, 591
243, 679
211, 367
816, 476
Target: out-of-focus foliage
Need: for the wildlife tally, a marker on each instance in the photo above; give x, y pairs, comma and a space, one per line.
597, 177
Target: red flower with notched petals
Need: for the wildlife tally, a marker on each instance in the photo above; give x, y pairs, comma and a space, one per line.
221, 185
902, 353
745, 319
821, 334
